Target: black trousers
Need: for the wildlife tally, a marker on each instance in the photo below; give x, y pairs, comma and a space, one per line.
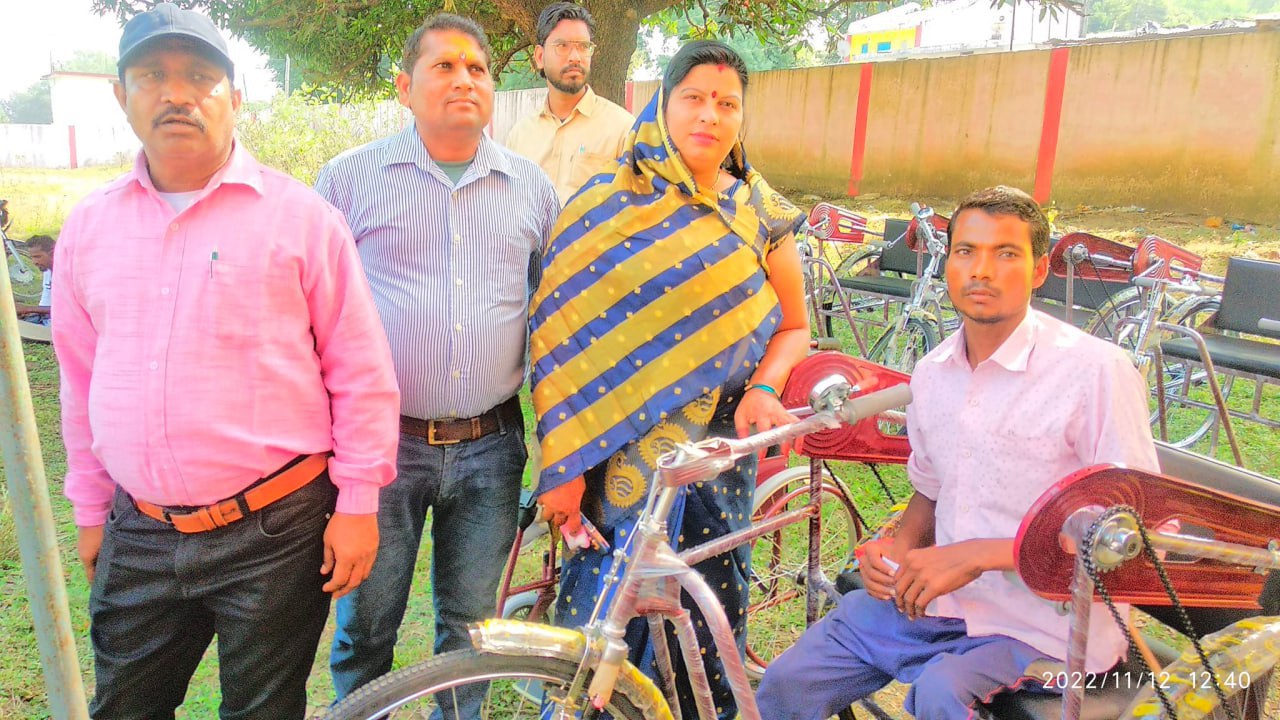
160, 596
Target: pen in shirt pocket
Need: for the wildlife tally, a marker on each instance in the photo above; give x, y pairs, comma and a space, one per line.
213, 257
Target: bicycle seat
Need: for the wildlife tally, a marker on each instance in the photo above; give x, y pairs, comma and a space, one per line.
528, 509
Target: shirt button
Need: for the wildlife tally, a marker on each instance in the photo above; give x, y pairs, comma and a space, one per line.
164, 291
173, 226
154, 365
966, 453
458, 327
456, 374
457, 238
973, 402
458, 282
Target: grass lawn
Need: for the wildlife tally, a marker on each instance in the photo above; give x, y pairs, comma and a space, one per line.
39, 201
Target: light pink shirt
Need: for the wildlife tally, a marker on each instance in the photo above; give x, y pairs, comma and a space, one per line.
204, 349
988, 441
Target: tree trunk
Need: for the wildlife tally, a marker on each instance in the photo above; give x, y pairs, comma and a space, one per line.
617, 25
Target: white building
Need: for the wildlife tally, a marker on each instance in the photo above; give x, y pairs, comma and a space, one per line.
84, 99
953, 25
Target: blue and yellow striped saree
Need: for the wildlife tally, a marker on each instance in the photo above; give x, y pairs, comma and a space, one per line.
654, 309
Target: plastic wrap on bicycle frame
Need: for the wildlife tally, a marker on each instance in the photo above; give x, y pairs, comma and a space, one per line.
863, 442
829, 222
1176, 259
1160, 500
1096, 246
939, 222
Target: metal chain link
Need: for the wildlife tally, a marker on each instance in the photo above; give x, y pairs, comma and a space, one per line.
1096, 576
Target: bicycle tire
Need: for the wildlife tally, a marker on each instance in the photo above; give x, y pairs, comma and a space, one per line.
901, 350
1247, 649
780, 562
520, 605
1105, 322
391, 692
854, 264
26, 279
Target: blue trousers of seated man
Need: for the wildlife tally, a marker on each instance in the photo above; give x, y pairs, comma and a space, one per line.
865, 643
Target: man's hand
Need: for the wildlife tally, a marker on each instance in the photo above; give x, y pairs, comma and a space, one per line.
562, 506
350, 546
88, 545
877, 576
926, 573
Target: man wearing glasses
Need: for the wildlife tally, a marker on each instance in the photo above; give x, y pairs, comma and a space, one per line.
577, 133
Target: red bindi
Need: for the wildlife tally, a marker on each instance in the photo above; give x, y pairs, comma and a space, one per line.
713, 94
720, 67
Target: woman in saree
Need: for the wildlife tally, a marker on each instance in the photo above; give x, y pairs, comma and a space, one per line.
671, 308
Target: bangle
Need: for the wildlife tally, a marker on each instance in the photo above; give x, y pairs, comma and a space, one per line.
762, 386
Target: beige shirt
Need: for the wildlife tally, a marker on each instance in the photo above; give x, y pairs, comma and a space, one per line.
570, 152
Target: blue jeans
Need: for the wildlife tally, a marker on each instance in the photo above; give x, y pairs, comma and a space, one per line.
865, 643
159, 596
473, 490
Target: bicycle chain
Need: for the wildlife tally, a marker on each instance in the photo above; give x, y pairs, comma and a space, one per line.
1096, 576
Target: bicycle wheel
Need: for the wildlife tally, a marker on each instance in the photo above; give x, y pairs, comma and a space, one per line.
1123, 305
1244, 657
523, 605
901, 350
24, 276
863, 261
780, 560
512, 687
1190, 412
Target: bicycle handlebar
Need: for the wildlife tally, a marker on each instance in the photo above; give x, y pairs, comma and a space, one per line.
1153, 283
708, 458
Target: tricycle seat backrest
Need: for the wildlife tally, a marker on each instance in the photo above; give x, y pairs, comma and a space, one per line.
1251, 292
898, 255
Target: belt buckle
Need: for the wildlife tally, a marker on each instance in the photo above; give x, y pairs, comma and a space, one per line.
433, 440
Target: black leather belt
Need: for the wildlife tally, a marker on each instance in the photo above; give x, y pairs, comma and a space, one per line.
451, 431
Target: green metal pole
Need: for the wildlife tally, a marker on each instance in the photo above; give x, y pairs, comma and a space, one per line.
33, 518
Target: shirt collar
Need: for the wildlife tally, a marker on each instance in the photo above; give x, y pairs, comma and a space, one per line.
1013, 354
587, 105
407, 147
239, 169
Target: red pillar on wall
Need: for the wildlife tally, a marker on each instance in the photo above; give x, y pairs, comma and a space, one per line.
631, 97
1053, 92
71, 145
860, 129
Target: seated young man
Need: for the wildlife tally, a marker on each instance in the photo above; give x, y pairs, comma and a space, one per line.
1003, 409
40, 250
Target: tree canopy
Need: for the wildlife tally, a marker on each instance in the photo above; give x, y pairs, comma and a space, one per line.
31, 106
351, 46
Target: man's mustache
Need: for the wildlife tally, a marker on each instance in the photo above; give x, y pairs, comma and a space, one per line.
184, 114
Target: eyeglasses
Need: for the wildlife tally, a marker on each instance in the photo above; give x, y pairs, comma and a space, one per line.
563, 47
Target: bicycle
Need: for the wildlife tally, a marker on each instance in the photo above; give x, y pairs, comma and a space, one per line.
778, 608
1159, 271
1202, 539
26, 278
878, 278
581, 673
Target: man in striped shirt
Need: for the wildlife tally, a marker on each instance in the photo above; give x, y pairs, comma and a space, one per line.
450, 227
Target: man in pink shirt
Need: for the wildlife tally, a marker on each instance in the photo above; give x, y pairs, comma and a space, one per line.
229, 404
1003, 409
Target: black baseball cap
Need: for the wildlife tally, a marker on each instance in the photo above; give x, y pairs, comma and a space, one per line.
168, 20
